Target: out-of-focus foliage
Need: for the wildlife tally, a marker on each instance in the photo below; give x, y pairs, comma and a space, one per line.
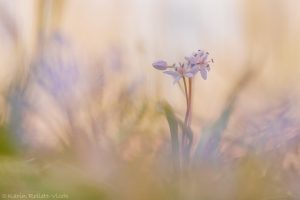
7, 145
84, 115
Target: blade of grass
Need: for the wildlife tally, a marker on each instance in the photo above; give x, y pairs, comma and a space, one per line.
173, 125
188, 147
208, 147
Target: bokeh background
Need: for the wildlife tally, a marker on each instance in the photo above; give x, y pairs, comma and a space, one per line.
82, 110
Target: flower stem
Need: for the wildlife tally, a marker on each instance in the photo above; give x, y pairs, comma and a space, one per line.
189, 134
186, 92
186, 134
190, 101
183, 139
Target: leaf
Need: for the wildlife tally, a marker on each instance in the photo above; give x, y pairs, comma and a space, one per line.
190, 136
208, 147
173, 125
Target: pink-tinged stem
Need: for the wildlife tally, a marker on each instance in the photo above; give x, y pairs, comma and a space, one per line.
183, 140
187, 139
186, 92
189, 134
190, 101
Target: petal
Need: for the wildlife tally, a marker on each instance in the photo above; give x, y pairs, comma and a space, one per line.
191, 60
172, 73
175, 75
176, 80
194, 69
202, 66
189, 74
203, 74
204, 58
199, 54
208, 68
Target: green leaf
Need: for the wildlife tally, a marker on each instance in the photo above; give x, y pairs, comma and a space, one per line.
208, 147
173, 125
190, 136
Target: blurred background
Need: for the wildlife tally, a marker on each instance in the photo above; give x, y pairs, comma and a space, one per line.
83, 112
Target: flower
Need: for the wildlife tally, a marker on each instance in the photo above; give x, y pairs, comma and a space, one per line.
183, 70
57, 69
160, 65
198, 61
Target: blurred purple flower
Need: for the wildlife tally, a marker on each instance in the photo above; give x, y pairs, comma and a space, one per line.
57, 70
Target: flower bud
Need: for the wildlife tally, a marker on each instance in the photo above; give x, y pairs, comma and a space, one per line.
160, 65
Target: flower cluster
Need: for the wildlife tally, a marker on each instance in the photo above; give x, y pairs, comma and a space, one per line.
197, 62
